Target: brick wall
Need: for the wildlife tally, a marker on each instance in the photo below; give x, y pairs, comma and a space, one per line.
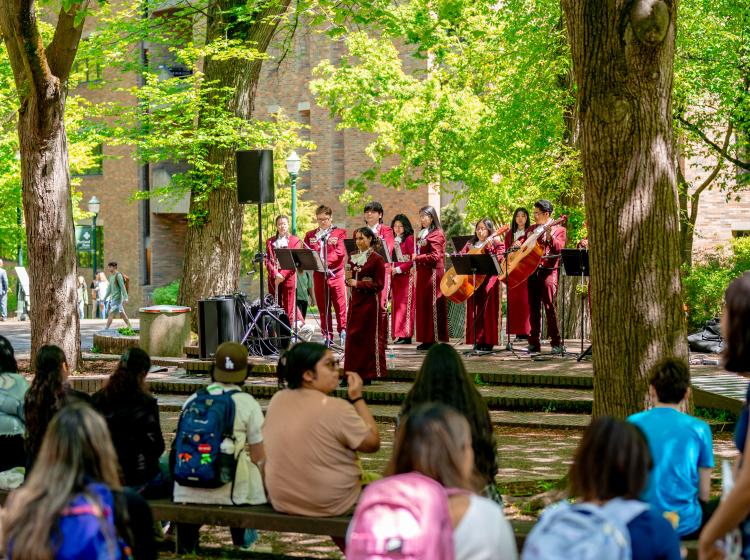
168, 242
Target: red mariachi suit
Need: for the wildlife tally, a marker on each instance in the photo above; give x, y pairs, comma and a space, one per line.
366, 331
330, 291
403, 283
518, 300
385, 234
542, 287
432, 308
484, 304
285, 296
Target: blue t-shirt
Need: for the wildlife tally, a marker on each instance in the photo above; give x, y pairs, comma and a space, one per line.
652, 538
680, 444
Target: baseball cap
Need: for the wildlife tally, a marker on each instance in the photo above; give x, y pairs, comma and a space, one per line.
230, 363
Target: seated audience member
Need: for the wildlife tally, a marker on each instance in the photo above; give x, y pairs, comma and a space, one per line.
435, 440
443, 378
132, 415
245, 485
681, 448
72, 505
312, 437
610, 470
13, 387
48, 393
734, 510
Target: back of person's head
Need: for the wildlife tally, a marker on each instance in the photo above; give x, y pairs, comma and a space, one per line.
612, 460
129, 378
443, 378
435, 440
736, 325
76, 451
7, 357
296, 361
670, 377
45, 395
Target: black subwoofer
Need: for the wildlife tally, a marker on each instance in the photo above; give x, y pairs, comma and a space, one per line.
218, 321
255, 176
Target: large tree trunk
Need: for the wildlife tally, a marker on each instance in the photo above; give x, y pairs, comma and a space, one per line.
623, 54
41, 79
212, 248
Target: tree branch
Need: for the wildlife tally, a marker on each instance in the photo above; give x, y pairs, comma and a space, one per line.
61, 52
713, 145
711, 177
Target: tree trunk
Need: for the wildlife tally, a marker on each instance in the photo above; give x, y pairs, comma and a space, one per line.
623, 53
212, 247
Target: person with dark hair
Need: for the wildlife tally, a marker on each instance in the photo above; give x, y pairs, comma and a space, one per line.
483, 309
542, 284
373, 214
518, 296
330, 290
681, 447
48, 393
734, 510
312, 437
435, 440
403, 281
74, 480
443, 378
116, 296
282, 284
367, 327
609, 472
13, 387
429, 259
132, 415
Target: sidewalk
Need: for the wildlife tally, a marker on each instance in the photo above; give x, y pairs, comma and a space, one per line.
19, 332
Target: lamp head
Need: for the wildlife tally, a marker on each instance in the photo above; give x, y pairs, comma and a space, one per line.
293, 163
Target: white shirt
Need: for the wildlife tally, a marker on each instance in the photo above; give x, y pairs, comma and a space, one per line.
483, 533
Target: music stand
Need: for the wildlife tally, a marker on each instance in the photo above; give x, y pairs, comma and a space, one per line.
460, 241
471, 265
576, 263
382, 250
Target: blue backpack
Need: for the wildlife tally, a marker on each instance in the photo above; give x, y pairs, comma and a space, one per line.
86, 528
204, 424
583, 531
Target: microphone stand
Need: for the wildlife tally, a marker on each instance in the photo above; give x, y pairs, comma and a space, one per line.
509, 345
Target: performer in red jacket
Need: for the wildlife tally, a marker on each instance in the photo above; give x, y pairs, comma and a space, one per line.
518, 297
328, 241
403, 281
373, 214
366, 330
542, 284
429, 258
282, 284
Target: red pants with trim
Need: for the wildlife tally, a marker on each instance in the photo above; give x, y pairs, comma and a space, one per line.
542, 287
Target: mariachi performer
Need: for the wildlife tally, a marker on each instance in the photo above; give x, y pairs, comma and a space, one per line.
483, 306
429, 259
403, 281
282, 284
373, 214
328, 241
364, 351
518, 297
542, 284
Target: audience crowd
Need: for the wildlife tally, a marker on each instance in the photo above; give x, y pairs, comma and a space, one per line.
636, 487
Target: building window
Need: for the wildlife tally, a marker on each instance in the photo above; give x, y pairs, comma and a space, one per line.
741, 233
97, 152
87, 71
85, 247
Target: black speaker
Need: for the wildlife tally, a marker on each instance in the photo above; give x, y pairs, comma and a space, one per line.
255, 176
218, 321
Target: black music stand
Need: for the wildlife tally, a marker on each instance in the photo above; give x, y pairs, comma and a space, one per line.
293, 259
576, 263
471, 265
382, 250
460, 241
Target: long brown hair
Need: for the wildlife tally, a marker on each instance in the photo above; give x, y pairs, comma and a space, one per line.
129, 379
45, 396
433, 440
76, 451
736, 354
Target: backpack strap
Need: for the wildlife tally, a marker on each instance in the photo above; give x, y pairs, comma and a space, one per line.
624, 511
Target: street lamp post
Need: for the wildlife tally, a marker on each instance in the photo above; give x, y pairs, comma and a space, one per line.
293, 163
94, 207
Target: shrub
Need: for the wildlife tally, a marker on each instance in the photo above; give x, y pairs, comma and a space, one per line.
166, 295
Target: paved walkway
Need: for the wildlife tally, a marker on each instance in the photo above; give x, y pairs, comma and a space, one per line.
19, 333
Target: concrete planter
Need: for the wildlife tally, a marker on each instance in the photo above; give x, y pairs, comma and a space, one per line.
165, 329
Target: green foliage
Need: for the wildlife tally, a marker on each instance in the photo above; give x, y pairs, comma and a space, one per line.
166, 295
127, 331
454, 223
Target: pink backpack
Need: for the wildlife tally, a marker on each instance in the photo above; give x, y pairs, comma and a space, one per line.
403, 516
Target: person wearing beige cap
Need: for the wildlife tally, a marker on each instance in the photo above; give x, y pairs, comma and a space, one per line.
230, 369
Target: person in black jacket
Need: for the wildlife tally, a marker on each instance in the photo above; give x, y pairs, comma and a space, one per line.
132, 415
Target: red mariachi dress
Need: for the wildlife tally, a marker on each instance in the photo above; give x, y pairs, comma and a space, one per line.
484, 304
432, 308
403, 282
364, 351
331, 291
285, 296
386, 238
542, 287
518, 299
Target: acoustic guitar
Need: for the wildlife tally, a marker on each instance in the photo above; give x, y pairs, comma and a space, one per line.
459, 287
522, 263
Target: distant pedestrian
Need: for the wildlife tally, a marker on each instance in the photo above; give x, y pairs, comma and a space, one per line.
3, 293
82, 296
117, 295
100, 286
